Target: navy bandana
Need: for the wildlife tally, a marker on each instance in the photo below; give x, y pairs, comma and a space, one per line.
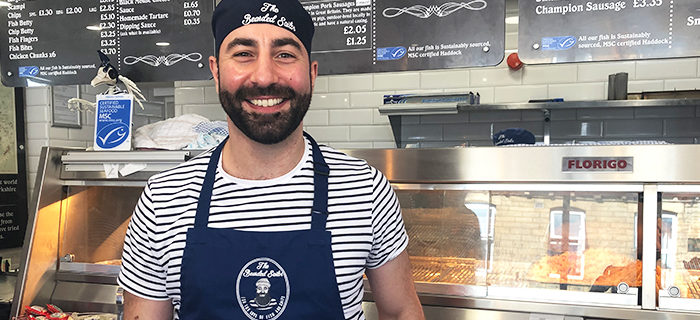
230, 15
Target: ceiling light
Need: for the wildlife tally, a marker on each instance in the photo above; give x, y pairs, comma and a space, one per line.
512, 20
4, 4
93, 28
162, 44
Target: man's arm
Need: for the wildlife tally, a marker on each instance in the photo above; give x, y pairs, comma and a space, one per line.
393, 290
137, 308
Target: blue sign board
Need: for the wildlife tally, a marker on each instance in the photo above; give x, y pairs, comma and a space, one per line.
113, 122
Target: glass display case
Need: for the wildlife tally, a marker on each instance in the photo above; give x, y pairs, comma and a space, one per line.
495, 233
541, 245
84, 201
547, 236
679, 248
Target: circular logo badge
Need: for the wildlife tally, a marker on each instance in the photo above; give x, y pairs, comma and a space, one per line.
262, 289
112, 135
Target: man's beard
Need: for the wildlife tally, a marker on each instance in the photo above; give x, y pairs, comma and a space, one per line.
263, 299
265, 128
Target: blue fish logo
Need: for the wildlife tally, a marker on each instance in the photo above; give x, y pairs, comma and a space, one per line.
558, 43
390, 53
567, 43
27, 72
112, 135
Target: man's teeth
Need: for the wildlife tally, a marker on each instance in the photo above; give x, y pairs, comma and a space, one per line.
266, 102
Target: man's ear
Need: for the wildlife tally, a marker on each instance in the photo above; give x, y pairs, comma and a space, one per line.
214, 68
313, 72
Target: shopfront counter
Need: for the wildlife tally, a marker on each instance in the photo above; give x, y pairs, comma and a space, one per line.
506, 233
603, 232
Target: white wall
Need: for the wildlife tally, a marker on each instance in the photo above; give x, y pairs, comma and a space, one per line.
40, 133
344, 109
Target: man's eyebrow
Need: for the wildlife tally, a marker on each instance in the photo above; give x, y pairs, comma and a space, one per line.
281, 42
246, 42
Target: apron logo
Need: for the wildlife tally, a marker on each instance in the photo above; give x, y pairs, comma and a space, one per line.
262, 289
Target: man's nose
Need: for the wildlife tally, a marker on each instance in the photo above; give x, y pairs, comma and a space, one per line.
264, 73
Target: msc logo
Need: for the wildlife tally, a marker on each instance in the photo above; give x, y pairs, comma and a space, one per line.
112, 135
26, 72
558, 43
567, 42
390, 53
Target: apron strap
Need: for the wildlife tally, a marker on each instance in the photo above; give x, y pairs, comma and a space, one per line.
319, 211
202, 217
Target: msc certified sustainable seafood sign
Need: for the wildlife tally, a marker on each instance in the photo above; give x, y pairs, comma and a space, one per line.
557, 31
113, 122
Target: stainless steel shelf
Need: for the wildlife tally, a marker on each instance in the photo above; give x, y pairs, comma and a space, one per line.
453, 308
444, 108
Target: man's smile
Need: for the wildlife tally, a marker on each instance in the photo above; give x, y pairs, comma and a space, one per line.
266, 102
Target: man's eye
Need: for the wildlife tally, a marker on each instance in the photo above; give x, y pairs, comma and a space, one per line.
286, 55
242, 54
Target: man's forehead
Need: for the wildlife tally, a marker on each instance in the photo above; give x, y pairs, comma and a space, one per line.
261, 34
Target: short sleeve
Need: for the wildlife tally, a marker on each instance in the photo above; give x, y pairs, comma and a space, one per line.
389, 232
142, 272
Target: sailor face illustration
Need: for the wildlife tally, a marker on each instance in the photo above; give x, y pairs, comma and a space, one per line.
262, 289
263, 301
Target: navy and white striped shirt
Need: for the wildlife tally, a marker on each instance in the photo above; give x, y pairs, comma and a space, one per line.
364, 220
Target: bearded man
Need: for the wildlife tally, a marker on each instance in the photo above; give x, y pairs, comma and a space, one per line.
267, 202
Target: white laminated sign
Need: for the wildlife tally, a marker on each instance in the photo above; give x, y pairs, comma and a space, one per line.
113, 122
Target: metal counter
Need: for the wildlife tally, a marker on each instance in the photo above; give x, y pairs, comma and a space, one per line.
481, 173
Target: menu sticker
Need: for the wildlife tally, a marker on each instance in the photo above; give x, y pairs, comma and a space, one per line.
560, 31
55, 42
113, 122
361, 36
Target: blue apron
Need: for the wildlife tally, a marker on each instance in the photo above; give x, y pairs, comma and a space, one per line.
232, 274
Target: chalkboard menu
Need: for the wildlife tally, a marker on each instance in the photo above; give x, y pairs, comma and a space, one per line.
359, 36
554, 31
13, 185
55, 42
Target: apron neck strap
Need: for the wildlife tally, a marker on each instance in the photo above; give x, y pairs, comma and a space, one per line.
319, 210
202, 216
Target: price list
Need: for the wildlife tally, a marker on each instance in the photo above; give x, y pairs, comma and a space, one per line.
597, 30
357, 36
55, 42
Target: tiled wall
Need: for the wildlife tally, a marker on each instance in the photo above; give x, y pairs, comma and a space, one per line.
40, 133
679, 124
344, 110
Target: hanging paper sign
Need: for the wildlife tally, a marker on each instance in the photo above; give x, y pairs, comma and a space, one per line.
113, 122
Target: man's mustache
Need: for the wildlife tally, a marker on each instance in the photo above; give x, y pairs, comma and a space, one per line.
275, 90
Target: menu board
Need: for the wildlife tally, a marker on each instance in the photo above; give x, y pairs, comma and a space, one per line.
557, 31
55, 42
13, 206
360, 36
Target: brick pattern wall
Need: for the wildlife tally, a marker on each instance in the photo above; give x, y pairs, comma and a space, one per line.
688, 213
522, 229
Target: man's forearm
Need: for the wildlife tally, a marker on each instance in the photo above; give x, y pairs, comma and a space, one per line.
137, 308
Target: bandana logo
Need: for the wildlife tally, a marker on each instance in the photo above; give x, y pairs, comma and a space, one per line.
262, 289
268, 8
